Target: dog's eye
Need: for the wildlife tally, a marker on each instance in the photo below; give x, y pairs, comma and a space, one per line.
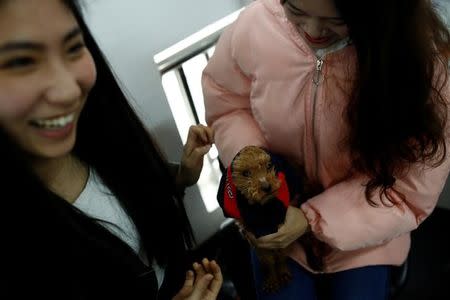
269, 165
246, 173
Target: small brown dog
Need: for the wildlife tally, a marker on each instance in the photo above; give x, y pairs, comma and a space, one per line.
254, 191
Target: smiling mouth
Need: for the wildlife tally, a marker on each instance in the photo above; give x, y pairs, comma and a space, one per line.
55, 123
317, 41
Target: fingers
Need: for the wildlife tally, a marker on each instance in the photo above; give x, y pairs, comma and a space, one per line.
199, 271
201, 287
187, 288
271, 241
199, 135
209, 280
189, 281
199, 152
204, 283
278, 240
217, 281
295, 226
205, 133
211, 267
206, 265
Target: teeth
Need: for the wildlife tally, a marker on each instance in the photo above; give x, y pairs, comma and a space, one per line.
54, 123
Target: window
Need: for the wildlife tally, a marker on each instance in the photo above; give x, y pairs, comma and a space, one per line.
181, 68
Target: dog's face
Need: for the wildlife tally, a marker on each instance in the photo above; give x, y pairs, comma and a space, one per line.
254, 176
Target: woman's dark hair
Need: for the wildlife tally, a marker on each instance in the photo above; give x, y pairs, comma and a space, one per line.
397, 114
113, 141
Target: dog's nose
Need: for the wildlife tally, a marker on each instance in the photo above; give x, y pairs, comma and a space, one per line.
266, 187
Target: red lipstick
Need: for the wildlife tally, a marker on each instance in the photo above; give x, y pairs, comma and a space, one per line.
317, 41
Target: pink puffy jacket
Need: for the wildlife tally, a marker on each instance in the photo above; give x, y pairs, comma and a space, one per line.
264, 86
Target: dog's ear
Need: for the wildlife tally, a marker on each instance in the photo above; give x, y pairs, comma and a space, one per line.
235, 157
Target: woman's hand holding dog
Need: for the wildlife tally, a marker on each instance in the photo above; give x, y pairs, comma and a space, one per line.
199, 141
295, 226
205, 284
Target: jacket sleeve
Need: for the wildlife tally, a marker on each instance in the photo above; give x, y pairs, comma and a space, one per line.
226, 90
342, 217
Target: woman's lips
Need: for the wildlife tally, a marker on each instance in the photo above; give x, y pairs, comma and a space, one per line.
56, 133
317, 41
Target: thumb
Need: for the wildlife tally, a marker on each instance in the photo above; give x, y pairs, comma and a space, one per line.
201, 286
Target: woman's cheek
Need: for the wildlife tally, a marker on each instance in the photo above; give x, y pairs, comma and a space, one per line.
15, 103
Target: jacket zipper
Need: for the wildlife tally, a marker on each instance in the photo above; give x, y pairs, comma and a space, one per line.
318, 72
316, 80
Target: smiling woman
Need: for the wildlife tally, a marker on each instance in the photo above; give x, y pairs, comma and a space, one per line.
88, 192
55, 67
317, 21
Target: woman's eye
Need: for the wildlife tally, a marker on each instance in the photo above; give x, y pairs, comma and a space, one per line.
75, 49
338, 23
18, 62
246, 173
297, 13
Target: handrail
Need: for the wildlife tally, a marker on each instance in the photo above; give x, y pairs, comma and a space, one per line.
193, 45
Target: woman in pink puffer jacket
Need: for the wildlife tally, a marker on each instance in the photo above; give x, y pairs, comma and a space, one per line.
356, 93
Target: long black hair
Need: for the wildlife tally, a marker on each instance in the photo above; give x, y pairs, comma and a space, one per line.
397, 114
112, 140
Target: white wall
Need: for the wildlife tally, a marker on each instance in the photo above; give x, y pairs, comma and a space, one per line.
131, 32
444, 8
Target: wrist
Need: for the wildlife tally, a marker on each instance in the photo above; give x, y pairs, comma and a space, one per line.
180, 181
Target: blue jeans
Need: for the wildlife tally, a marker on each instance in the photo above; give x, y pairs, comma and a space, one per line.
366, 283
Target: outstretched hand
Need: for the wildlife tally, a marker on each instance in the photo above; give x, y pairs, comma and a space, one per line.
294, 227
204, 284
199, 141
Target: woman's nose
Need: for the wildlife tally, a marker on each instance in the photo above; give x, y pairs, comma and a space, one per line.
63, 86
314, 28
